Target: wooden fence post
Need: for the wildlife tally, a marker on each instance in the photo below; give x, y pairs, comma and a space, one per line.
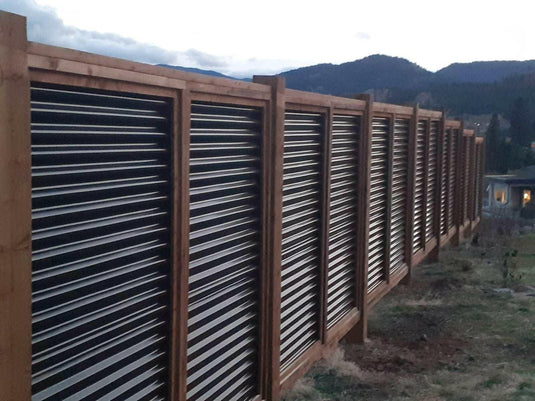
15, 212
273, 162
181, 223
360, 331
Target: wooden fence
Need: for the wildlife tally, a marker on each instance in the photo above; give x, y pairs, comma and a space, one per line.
167, 235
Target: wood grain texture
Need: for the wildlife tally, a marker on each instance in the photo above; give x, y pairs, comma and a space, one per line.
15, 212
181, 218
360, 331
273, 162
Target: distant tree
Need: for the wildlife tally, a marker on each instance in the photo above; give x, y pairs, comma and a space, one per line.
521, 125
514, 156
495, 149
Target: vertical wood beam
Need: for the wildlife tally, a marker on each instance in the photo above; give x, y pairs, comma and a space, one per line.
360, 331
15, 212
181, 226
273, 154
325, 221
411, 187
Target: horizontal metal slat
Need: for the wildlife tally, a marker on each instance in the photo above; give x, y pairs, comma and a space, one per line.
100, 207
302, 175
225, 237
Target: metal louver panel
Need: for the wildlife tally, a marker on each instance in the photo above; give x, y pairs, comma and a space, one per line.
465, 177
100, 238
444, 183
432, 181
478, 180
225, 243
343, 217
378, 203
419, 182
300, 234
452, 156
399, 194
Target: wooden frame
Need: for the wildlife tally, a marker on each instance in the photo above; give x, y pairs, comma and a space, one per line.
15, 212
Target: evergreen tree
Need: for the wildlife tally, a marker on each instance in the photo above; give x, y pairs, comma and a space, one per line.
521, 127
495, 150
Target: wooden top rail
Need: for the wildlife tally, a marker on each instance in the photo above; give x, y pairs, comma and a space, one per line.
56, 59
388, 108
456, 124
433, 114
468, 132
317, 99
59, 59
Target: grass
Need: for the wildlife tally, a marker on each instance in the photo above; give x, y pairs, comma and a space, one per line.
448, 336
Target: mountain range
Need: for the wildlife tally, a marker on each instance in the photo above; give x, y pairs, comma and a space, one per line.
463, 88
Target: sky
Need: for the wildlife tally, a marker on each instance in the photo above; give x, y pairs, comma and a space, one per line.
245, 37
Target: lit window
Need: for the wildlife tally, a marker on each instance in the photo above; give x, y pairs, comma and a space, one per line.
527, 197
500, 196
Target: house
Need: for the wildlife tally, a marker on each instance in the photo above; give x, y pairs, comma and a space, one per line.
509, 193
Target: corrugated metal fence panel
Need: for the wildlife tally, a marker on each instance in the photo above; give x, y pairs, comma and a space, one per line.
399, 194
432, 181
466, 177
343, 217
225, 242
419, 182
100, 217
452, 176
378, 199
301, 220
478, 180
444, 183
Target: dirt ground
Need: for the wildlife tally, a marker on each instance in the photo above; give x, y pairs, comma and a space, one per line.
463, 330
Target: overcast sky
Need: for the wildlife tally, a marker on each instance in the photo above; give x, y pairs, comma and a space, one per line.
242, 37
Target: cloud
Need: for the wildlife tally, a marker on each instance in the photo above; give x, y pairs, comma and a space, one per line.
363, 36
45, 26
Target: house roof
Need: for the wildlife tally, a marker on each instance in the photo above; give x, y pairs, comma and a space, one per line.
523, 176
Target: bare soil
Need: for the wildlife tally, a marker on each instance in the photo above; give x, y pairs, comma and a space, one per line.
458, 332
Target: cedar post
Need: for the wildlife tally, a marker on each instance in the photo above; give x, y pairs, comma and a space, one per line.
181, 222
15, 211
273, 165
360, 331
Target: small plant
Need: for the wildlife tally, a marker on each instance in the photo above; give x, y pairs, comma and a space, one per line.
510, 273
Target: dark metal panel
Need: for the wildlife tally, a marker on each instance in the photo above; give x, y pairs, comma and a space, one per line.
419, 182
225, 238
343, 218
399, 193
100, 271
432, 180
465, 178
301, 229
378, 199
445, 182
478, 179
452, 176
